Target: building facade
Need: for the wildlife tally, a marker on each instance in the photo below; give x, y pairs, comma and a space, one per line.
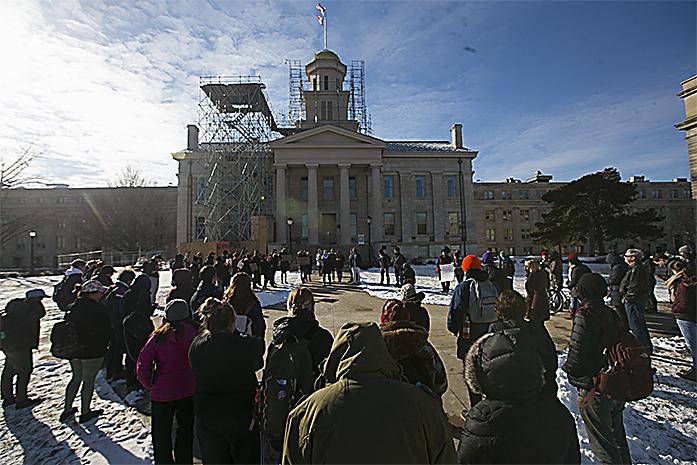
689, 125
68, 220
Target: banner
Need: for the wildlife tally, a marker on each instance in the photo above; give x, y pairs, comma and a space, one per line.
447, 273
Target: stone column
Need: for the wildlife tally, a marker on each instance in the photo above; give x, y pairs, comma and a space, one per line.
281, 203
438, 216
344, 204
312, 204
406, 213
376, 204
469, 207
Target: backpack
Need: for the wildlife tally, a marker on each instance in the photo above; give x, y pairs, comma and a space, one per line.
482, 301
628, 375
64, 341
62, 295
288, 377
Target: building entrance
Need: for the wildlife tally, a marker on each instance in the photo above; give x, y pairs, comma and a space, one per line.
328, 229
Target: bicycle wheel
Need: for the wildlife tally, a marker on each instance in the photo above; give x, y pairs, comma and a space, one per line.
556, 300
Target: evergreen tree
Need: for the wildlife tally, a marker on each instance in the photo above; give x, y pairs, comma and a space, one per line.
595, 209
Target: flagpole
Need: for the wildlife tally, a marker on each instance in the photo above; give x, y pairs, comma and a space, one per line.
325, 29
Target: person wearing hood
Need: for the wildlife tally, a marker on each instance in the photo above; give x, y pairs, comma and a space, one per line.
514, 423
366, 414
407, 343
93, 330
104, 275
301, 323
408, 275
576, 270
21, 324
208, 287
64, 292
163, 368
618, 268
224, 363
113, 301
182, 286
412, 301
137, 325
595, 328
683, 295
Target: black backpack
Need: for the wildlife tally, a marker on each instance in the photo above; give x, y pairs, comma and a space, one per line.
65, 343
62, 294
7, 340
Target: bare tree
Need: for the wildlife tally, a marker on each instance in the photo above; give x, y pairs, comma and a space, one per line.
130, 176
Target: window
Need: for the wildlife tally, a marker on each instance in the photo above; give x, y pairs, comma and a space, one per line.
452, 185
508, 234
354, 225
423, 251
527, 250
490, 235
420, 186
200, 227
673, 194
686, 193
524, 195
303, 188
525, 234
330, 111
540, 194
338, 84
79, 243
489, 195
453, 224
656, 194
304, 226
326, 82
323, 110
62, 224
507, 215
489, 216
328, 188
642, 194
525, 215
388, 222
353, 193
421, 226
388, 186
505, 195
200, 188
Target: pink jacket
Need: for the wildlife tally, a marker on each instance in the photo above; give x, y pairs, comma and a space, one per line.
163, 366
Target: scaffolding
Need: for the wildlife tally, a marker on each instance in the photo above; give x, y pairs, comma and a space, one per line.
358, 110
236, 125
296, 102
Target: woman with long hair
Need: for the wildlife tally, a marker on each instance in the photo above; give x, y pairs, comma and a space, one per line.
163, 368
245, 302
683, 293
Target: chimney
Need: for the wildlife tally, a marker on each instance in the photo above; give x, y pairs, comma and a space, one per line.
191, 137
456, 136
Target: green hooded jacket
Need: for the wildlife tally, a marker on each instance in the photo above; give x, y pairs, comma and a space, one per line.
366, 414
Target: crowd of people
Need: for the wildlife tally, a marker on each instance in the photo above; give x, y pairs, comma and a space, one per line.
371, 392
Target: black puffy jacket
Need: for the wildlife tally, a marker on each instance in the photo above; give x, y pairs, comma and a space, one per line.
21, 324
92, 325
514, 423
618, 268
319, 339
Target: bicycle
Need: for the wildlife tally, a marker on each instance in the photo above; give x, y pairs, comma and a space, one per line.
558, 299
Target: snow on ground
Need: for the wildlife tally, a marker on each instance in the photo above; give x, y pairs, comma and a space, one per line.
427, 282
660, 428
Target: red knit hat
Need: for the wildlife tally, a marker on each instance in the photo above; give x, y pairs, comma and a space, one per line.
471, 261
571, 256
394, 310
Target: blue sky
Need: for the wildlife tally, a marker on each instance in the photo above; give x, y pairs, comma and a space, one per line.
563, 87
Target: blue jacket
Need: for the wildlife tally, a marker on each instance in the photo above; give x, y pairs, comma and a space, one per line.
457, 311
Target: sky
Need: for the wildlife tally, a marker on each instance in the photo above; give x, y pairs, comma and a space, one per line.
564, 87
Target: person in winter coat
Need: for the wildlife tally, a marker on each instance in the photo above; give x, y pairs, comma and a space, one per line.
595, 328
104, 275
576, 270
384, 261
163, 368
182, 286
328, 262
399, 261
93, 330
407, 343
469, 315
650, 267
514, 423
302, 323
222, 272
444, 259
246, 304
554, 267
19, 337
151, 268
113, 302
688, 258
408, 275
507, 266
64, 293
208, 287
340, 261
536, 288
355, 264
284, 265
137, 325
511, 308
412, 300
459, 274
683, 295
635, 289
224, 363
366, 414
618, 268
178, 262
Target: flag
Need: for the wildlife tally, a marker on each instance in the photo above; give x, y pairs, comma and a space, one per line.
319, 19
321, 8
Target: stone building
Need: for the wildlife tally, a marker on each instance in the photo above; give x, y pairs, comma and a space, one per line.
68, 220
689, 125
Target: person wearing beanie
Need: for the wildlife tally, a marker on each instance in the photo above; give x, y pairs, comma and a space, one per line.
163, 369
407, 343
595, 328
412, 301
513, 423
472, 308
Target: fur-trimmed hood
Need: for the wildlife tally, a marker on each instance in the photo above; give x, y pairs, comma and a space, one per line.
403, 338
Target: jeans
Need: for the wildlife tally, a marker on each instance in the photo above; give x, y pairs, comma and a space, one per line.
604, 422
356, 275
637, 323
227, 440
688, 329
385, 273
84, 373
163, 414
575, 302
154, 285
19, 363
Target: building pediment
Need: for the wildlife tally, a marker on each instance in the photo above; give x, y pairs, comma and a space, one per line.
327, 136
